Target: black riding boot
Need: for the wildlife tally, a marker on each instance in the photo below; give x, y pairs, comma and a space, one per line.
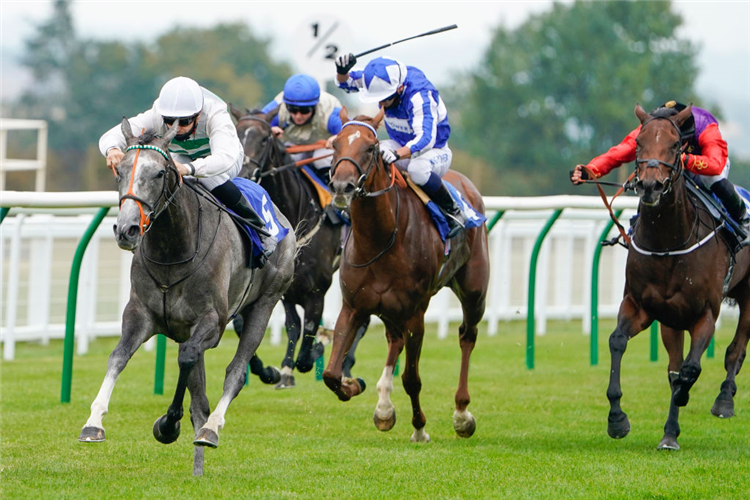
454, 215
724, 189
229, 194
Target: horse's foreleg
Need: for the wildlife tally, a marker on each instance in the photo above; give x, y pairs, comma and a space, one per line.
724, 405
343, 337
199, 409
308, 352
414, 334
350, 358
674, 341
205, 335
700, 337
293, 326
385, 413
256, 320
631, 320
135, 331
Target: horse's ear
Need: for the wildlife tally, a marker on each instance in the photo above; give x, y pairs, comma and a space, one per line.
127, 130
683, 115
236, 112
378, 118
344, 115
169, 135
271, 114
641, 113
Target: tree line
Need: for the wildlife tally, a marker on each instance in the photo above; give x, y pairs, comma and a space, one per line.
555, 91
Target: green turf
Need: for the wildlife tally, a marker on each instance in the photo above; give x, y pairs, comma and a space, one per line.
540, 433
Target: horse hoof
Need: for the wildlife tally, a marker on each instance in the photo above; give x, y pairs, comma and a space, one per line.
420, 436
91, 435
723, 408
271, 375
206, 437
384, 424
362, 385
464, 424
162, 435
286, 382
618, 429
668, 443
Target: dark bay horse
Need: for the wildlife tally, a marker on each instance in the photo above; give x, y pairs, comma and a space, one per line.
678, 271
319, 239
393, 262
188, 277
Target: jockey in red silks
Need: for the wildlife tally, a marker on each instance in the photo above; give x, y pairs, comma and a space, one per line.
705, 157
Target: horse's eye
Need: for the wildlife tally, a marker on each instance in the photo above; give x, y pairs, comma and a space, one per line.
160, 174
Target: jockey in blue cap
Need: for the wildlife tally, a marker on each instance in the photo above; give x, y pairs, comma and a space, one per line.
416, 120
305, 116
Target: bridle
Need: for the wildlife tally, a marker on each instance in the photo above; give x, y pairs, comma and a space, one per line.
675, 168
258, 173
360, 190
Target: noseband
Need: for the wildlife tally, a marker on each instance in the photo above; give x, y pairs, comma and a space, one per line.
148, 218
361, 191
675, 168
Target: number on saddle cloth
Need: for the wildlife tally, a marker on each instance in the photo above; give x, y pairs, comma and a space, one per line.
261, 203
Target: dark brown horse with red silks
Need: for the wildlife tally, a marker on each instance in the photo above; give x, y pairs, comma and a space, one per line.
679, 269
393, 262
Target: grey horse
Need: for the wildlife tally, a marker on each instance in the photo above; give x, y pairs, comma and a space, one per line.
189, 276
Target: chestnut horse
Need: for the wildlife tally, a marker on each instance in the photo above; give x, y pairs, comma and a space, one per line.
393, 262
678, 271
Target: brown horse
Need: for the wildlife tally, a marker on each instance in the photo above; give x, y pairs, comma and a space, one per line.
678, 271
392, 264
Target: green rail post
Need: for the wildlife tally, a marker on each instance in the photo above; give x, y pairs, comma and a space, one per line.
161, 354
532, 289
711, 347
495, 219
594, 340
654, 341
70, 315
3, 212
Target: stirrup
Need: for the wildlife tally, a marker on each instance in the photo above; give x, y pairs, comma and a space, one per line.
456, 224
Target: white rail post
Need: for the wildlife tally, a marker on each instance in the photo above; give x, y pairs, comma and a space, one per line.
9, 338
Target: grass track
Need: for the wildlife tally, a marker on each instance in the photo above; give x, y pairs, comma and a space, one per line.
540, 433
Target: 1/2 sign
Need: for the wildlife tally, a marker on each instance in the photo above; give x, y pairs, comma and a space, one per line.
319, 41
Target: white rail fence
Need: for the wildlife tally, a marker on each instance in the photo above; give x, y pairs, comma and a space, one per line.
39, 238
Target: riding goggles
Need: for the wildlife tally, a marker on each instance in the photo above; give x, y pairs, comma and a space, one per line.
293, 110
184, 121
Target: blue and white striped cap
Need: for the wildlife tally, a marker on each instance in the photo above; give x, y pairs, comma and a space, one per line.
383, 76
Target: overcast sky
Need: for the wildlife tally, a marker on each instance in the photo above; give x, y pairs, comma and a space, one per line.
721, 28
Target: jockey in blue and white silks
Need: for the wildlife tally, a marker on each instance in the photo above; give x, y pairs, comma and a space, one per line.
416, 120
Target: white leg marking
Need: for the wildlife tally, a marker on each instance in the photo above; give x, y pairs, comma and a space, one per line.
100, 406
462, 420
420, 436
384, 410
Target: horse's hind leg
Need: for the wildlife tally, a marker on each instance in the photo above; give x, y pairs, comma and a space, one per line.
136, 329
724, 405
256, 320
293, 326
266, 374
631, 320
308, 352
385, 413
674, 341
205, 335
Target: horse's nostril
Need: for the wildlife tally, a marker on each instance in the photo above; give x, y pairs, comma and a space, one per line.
132, 231
349, 188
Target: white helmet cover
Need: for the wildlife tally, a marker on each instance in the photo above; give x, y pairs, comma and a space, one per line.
179, 97
383, 76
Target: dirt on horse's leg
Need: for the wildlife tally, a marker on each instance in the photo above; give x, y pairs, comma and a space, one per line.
136, 329
631, 320
256, 319
344, 332
674, 341
414, 334
724, 405
385, 413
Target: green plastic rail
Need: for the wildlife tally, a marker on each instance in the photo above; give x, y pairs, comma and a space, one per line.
3, 212
532, 288
70, 317
161, 354
594, 341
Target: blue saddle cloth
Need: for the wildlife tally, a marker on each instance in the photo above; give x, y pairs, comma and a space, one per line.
473, 218
261, 202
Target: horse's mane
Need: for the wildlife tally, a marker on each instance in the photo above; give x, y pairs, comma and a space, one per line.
147, 137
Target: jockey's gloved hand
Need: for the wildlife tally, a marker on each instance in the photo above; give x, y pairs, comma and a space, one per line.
344, 63
389, 156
